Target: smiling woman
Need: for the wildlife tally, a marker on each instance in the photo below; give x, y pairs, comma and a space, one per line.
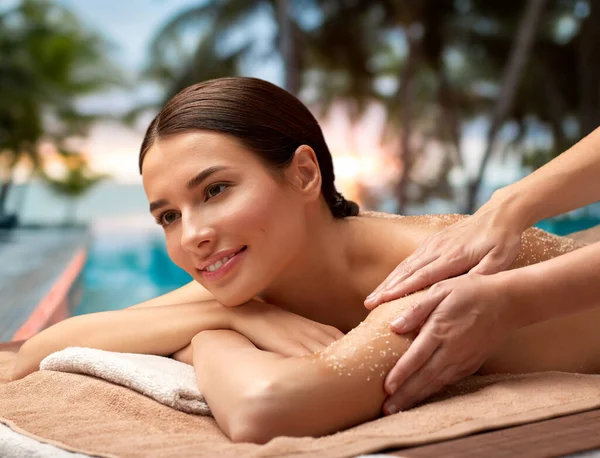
239, 176
259, 216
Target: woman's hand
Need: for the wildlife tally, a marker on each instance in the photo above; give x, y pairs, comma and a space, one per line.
484, 243
474, 315
274, 329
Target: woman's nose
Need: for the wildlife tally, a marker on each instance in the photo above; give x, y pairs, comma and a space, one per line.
195, 233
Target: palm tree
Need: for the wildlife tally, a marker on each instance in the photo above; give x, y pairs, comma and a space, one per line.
214, 22
77, 181
48, 60
521, 49
455, 52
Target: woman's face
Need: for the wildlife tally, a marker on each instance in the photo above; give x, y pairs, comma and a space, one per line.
213, 197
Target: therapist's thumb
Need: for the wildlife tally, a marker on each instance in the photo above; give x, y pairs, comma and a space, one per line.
492, 263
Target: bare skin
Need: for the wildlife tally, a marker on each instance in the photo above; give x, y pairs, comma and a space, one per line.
284, 391
303, 260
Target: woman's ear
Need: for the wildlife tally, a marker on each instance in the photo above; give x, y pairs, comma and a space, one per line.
305, 173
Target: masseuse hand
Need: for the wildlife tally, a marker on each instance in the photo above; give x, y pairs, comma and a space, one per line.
272, 328
485, 243
472, 318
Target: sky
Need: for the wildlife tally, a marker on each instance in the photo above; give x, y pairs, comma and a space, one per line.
113, 148
129, 26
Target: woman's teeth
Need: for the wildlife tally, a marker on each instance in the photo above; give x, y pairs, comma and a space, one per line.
219, 263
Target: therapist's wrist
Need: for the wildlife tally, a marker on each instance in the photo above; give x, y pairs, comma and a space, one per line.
510, 311
514, 208
524, 289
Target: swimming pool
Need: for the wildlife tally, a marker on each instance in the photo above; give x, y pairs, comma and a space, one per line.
125, 267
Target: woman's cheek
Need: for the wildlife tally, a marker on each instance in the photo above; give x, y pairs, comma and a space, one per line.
175, 252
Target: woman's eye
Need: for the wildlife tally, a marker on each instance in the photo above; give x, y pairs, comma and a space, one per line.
215, 187
167, 218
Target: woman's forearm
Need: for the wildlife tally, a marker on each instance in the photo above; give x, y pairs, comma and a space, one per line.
270, 395
562, 285
542, 193
160, 330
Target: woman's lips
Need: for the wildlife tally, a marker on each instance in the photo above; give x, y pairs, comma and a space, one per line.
225, 268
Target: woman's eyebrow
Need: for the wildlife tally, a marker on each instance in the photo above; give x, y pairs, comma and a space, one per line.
157, 204
198, 179
193, 183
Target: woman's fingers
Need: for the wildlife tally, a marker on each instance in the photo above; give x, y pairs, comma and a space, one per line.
418, 353
334, 332
298, 350
313, 345
324, 336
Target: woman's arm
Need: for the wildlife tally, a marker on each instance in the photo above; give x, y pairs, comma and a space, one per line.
257, 395
160, 330
190, 292
168, 330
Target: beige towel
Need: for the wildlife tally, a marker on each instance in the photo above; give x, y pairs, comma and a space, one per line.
93, 416
163, 379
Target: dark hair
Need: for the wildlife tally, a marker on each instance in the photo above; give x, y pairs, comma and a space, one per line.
266, 119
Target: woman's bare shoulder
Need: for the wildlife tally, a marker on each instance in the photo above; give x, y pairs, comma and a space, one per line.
421, 225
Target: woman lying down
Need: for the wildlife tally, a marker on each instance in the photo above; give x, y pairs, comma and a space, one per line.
239, 176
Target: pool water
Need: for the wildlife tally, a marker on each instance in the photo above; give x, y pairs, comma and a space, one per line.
125, 268
564, 226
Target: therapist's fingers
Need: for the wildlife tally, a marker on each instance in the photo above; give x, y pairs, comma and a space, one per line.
412, 317
418, 353
403, 271
453, 373
423, 383
403, 268
440, 269
492, 263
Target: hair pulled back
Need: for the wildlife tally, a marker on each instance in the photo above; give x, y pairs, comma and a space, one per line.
266, 119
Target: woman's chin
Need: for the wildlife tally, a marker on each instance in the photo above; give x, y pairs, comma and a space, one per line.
231, 301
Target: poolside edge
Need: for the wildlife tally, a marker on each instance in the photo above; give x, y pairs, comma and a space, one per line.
54, 307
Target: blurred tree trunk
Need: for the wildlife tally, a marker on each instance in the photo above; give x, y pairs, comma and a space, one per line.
449, 123
4, 188
287, 47
521, 49
70, 218
405, 93
557, 106
589, 72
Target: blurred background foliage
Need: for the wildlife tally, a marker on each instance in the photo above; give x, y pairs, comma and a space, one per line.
529, 69
48, 60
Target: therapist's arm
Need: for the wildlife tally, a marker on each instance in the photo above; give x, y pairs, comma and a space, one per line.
566, 183
488, 241
566, 284
477, 312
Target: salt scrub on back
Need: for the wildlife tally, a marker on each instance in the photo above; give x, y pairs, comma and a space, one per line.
538, 245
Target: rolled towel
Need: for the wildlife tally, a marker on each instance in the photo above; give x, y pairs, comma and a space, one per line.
163, 379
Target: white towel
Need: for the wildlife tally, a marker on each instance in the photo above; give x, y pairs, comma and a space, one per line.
166, 380
16, 445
